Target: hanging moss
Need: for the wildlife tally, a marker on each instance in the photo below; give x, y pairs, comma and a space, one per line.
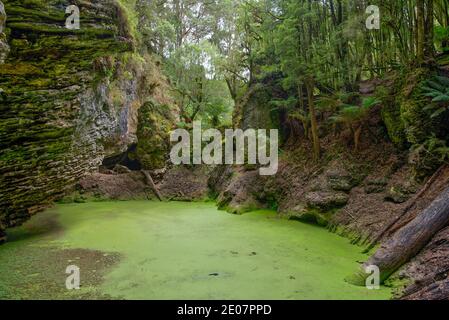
153, 134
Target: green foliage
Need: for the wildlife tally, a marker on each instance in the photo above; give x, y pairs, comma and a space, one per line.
350, 114
153, 133
442, 37
438, 90
354, 117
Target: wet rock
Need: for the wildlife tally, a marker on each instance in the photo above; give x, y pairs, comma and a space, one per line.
303, 213
112, 187
375, 185
121, 169
340, 181
242, 192
397, 194
326, 200
104, 170
86, 93
183, 183
2, 17
298, 212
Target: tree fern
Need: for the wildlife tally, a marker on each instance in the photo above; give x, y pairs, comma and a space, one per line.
354, 117
438, 90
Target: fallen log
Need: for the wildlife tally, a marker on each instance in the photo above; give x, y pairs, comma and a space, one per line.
388, 228
408, 241
151, 183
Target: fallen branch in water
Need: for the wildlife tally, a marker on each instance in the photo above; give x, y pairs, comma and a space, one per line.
151, 183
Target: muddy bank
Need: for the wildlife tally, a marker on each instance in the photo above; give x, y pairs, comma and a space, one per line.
177, 184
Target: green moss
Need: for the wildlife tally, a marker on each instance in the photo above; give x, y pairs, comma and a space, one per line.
153, 134
391, 116
177, 246
46, 70
50, 29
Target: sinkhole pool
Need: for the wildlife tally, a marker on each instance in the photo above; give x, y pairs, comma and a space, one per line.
175, 250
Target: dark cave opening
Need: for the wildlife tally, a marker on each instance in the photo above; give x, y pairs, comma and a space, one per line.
123, 159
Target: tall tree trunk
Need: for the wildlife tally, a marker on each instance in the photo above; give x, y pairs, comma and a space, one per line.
420, 29
429, 48
357, 136
314, 123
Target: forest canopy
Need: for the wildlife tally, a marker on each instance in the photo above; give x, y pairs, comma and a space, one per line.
317, 52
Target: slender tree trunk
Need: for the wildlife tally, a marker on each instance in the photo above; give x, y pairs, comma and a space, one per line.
314, 124
151, 183
429, 48
420, 29
357, 135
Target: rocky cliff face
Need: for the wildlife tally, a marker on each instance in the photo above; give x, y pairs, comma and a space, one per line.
68, 98
4, 48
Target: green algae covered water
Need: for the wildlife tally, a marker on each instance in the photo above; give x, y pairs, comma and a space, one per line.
152, 250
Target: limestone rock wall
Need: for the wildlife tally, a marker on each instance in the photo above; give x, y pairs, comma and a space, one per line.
68, 98
4, 48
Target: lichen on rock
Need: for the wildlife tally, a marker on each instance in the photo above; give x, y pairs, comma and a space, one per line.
69, 98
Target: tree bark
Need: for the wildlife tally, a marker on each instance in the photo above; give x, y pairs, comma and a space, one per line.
408, 241
429, 48
436, 291
313, 121
421, 39
151, 183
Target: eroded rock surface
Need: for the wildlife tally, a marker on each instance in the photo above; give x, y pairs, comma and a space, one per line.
70, 98
4, 47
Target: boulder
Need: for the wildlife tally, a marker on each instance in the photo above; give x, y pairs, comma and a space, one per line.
340, 181
397, 194
375, 185
303, 213
326, 201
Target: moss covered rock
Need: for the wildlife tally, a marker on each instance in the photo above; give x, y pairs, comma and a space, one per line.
153, 134
69, 98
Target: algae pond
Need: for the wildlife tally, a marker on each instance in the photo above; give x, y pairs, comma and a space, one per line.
152, 250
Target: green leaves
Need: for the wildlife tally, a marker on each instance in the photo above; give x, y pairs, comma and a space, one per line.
350, 114
370, 102
438, 90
